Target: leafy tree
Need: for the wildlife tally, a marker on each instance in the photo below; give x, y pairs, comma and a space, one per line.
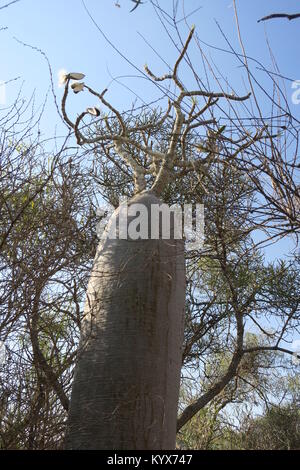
277, 429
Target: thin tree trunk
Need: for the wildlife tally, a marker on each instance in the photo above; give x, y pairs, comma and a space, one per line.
126, 384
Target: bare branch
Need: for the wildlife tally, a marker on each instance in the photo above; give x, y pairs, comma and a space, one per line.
280, 15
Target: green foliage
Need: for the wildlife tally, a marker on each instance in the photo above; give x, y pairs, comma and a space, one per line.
277, 429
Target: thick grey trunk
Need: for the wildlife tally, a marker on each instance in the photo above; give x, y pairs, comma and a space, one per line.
126, 384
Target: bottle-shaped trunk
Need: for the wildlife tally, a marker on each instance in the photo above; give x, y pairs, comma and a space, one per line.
126, 383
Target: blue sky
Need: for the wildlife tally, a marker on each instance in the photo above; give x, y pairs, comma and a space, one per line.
64, 31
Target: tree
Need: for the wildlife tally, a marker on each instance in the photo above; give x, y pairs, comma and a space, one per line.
113, 392
45, 229
277, 429
128, 373
200, 149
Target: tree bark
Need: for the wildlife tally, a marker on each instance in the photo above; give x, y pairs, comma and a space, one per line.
126, 383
